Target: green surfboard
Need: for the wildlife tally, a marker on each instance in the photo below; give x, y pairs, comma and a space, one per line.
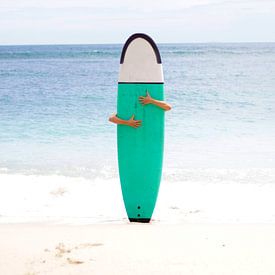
140, 150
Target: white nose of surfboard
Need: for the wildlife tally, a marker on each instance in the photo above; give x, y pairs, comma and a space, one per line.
140, 61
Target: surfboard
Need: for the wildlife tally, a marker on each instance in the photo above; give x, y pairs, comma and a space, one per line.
140, 150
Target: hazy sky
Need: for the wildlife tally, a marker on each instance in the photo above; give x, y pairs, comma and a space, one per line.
112, 21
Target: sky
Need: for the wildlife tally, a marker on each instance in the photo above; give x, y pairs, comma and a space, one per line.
112, 21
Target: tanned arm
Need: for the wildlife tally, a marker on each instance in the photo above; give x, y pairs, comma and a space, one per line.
144, 100
131, 122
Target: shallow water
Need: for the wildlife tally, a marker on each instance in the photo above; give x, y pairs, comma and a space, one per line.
55, 101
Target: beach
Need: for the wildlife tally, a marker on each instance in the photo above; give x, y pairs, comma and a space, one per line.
72, 226
32, 249
196, 79
61, 207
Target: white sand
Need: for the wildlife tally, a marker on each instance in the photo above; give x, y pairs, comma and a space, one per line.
137, 249
210, 222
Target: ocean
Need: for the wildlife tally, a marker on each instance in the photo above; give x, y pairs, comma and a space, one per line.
55, 101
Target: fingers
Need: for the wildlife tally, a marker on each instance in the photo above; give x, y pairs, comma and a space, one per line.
132, 117
136, 124
143, 100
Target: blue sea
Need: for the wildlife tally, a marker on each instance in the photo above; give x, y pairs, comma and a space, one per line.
55, 101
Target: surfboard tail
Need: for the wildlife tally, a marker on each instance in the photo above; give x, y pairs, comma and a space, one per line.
143, 220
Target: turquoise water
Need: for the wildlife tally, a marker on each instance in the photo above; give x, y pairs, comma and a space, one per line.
55, 101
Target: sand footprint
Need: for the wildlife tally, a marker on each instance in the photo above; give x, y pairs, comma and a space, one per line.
60, 256
61, 250
73, 261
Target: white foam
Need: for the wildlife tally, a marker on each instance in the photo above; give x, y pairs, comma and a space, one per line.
194, 195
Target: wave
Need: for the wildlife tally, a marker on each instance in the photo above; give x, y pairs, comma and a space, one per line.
58, 51
221, 51
196, 199
192, 175
56, 55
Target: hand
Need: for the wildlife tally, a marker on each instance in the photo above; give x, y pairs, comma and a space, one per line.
113, 118
133, 123
146, 100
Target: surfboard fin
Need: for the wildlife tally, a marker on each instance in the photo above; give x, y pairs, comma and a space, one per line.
142, 220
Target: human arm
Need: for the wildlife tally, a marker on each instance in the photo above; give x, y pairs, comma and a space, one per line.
131, 122
144, 100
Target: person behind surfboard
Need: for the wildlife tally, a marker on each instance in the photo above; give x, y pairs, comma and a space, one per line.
144, 100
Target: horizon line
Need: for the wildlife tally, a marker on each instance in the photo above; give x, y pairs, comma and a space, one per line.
159, 43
